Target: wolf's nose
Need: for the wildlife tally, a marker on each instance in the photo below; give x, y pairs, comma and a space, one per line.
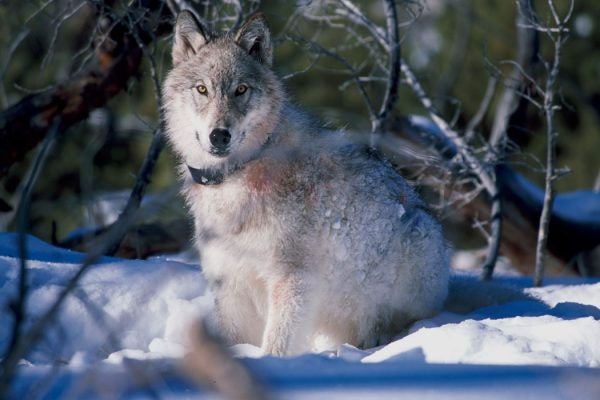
220, 138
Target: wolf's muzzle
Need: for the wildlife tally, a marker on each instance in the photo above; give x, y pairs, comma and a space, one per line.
220, 139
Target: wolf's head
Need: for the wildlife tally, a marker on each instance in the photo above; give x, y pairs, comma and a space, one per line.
221, 99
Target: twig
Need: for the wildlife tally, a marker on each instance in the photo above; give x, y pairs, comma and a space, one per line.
526, 41
393, 78
39, 10
156, 147
18, 307
358, 17
490, 90
150, 56
26, 341
460, 44
147, 377
141, 183
67, 13
474, 165
211, 363
548, 109
8, 58
318, 49
240, 15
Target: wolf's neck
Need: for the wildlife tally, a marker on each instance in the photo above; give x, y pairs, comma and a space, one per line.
295, 124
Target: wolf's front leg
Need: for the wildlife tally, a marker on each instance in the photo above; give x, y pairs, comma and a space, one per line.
289, 317
238, 317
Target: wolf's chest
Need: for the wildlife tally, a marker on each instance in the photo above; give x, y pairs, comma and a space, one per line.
236, 231
236, 222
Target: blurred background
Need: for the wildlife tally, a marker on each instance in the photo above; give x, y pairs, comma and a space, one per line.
455, 47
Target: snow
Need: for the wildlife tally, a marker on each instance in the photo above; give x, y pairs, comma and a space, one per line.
494, 340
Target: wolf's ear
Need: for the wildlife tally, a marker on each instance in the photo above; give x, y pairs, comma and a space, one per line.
189, 37
255, 38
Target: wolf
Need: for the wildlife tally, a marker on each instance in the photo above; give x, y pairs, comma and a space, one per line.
307, 239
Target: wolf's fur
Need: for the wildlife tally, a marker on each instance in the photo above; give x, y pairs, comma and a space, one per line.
308, 235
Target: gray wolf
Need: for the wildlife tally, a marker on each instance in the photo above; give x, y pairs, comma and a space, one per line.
307, 239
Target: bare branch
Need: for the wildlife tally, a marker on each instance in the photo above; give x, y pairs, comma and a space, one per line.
18, 307
523, 75
490, 90
357, 16
141, 183
460, 44
320, 50
156, 147
557, 20
67, 13
391, 91
9, 54
26, 341
487, 180
210, 363
22, 343
416, 141
549, 108
39, 10
239, 19
525, 50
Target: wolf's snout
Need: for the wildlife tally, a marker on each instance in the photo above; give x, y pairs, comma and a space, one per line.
220, 139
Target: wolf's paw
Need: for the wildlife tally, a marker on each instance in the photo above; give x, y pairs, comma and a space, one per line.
376, 340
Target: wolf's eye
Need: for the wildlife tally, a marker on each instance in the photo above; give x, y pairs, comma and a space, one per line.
202, 90
241, 89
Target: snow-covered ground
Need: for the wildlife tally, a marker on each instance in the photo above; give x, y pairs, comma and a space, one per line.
124, 329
